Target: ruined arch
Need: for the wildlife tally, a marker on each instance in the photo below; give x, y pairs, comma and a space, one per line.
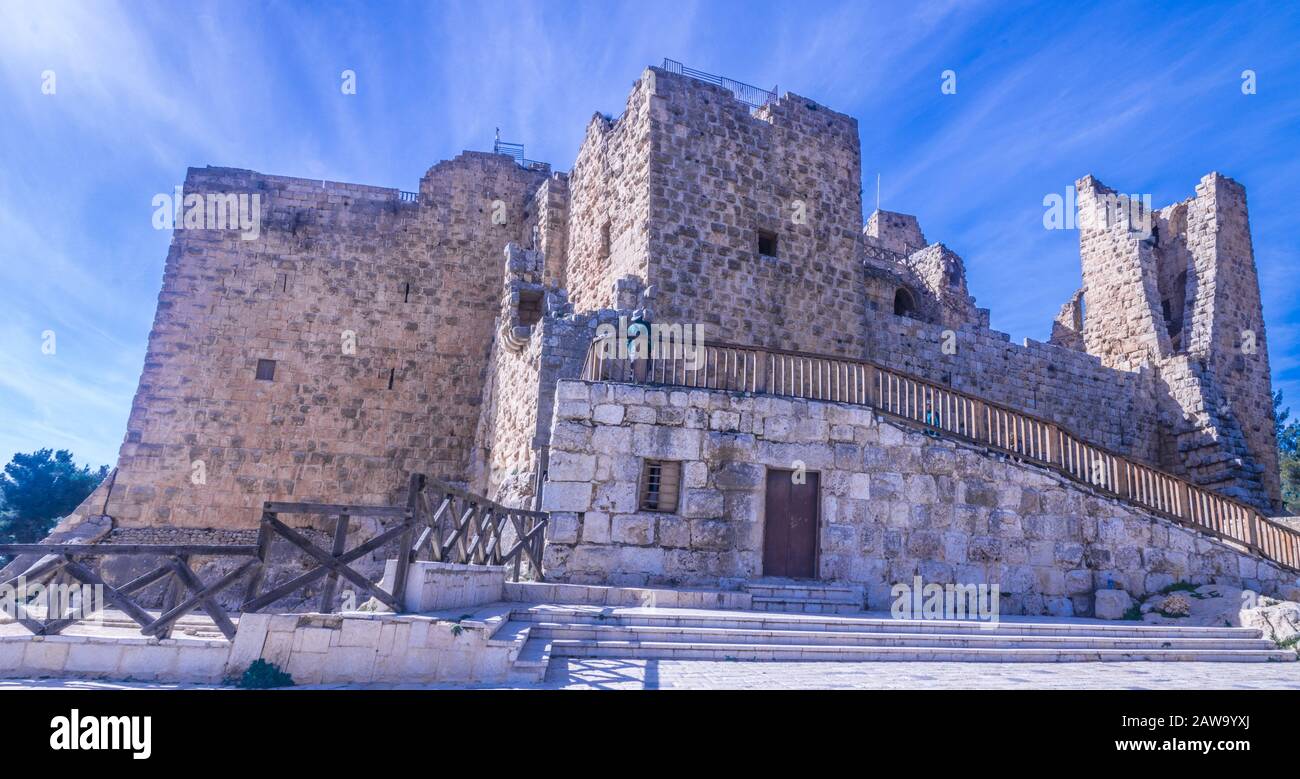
904, 303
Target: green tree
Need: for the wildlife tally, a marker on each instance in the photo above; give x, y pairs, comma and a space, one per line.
40, 488
1288, 434
1288, 449
1291, 484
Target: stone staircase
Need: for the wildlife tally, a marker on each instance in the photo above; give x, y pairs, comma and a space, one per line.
546, 632
804, 597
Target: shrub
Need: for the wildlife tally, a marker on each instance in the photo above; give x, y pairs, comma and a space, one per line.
262, 675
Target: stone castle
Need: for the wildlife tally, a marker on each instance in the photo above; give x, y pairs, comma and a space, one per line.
368, 333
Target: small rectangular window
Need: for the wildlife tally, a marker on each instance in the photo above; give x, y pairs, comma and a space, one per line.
766, 243
266, 370
660, 483
530, 307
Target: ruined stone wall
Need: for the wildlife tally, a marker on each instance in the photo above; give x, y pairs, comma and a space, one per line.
506, 462
416, 283
1183, 297
609, 204
550, 211
894, 504
1110, 408
1227, 331
1123, 323
528, 357
516, 423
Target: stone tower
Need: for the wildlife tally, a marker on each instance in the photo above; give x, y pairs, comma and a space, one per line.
1176, 289
725, 214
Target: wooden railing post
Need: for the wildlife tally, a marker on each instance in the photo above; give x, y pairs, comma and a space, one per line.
981, 421
340, 546
263, 550
760, 371
403, 565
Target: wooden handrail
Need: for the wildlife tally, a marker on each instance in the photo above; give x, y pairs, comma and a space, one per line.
934, 407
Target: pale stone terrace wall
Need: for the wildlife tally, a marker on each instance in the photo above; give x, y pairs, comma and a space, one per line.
895, 504
357, 647
331, 258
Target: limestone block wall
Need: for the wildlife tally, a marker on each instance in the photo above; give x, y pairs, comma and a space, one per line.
1227, 329
356, 647
1110, 408
373, 648
894, 504
515, 426
1124, 325
549, 210
609, 203
719, 175
415, 286
506, 459
1183, 297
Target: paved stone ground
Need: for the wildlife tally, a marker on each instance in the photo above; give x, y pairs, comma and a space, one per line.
702, 674
613, 674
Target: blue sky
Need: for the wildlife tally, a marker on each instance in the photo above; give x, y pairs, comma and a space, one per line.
1147, 96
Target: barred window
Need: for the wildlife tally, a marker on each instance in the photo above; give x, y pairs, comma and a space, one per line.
660, 481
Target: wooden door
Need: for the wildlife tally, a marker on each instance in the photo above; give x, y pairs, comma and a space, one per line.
790, 527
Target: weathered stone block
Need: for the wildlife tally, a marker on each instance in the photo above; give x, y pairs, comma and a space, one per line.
1111, 604
566, 496
637, 530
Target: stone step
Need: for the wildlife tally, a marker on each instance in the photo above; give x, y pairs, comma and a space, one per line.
836, 592
864, 624
805, 605
691, 635
659, 650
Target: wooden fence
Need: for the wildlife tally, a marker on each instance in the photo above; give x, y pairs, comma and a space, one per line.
933, 407
439, 522
77, 562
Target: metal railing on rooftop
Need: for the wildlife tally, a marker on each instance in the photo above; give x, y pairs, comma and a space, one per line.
516, 152
750, 95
